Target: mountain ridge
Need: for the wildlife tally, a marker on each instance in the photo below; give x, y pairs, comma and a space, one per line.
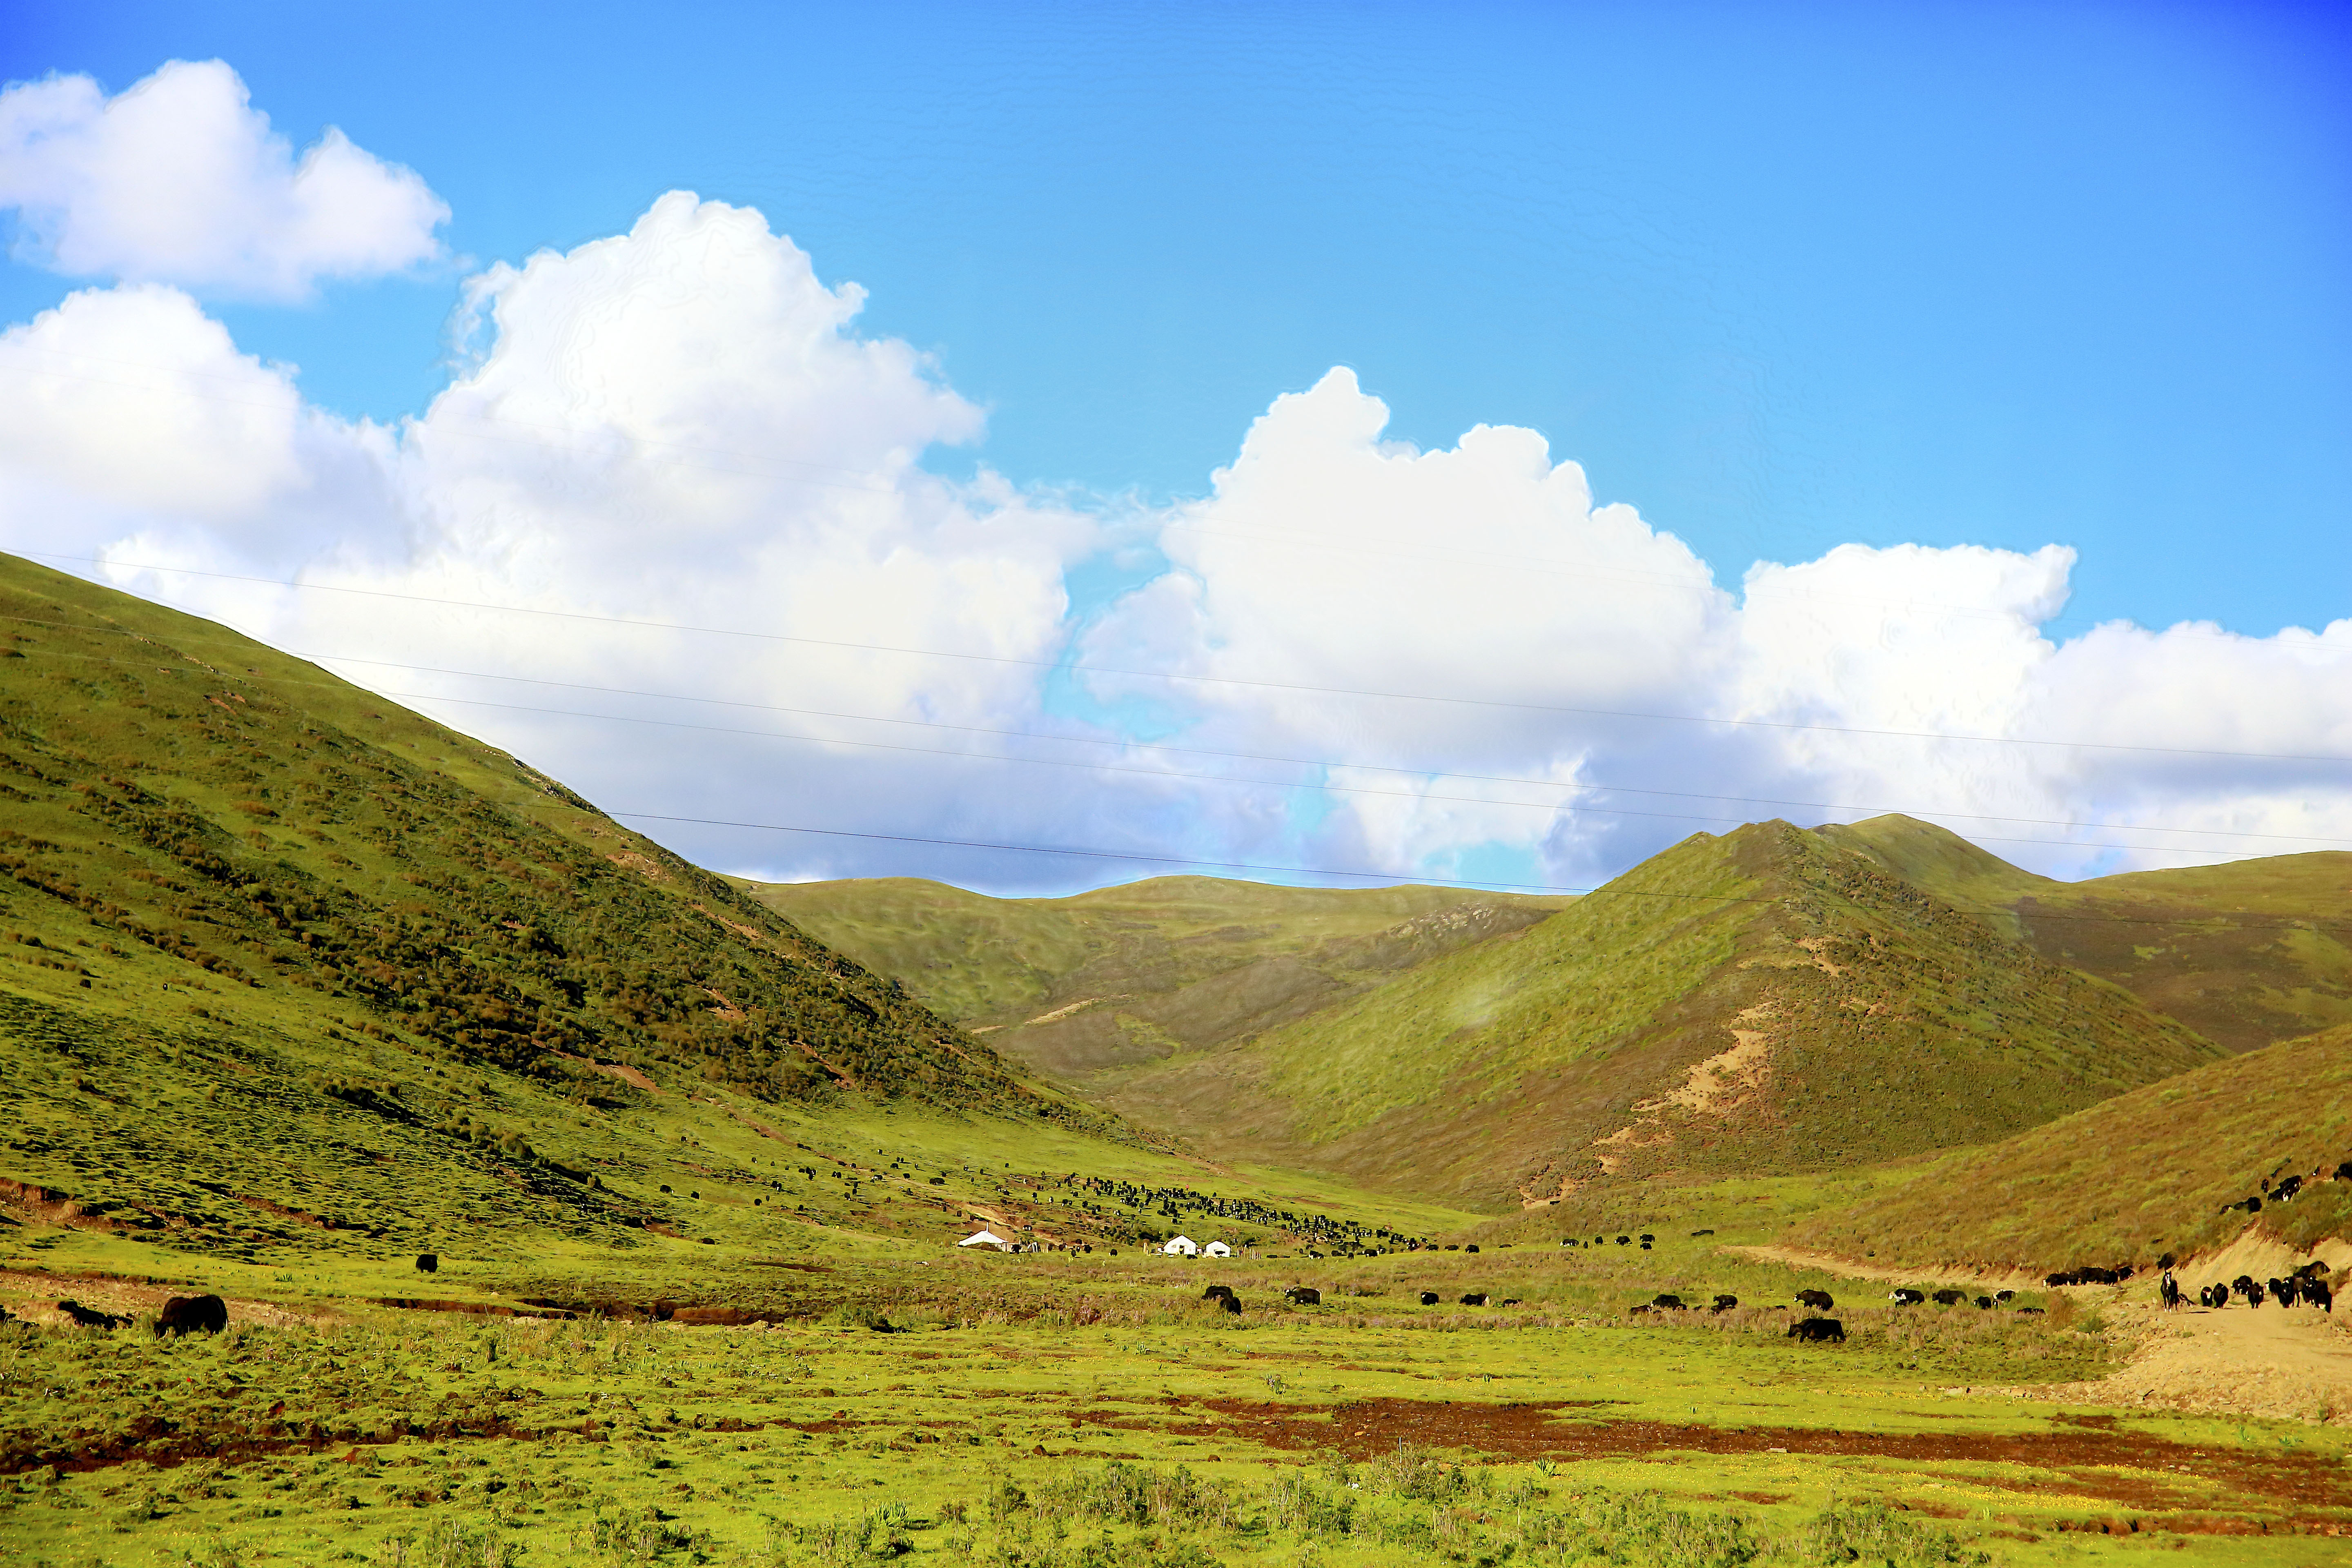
1676, 1018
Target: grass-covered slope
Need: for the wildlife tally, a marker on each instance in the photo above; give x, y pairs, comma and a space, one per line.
1197, 958
2247, 953
280, 954
2131, 1178
1940, 862
1762, 1001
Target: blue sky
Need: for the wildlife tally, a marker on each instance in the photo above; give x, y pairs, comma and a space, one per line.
1904, 293
1782, 276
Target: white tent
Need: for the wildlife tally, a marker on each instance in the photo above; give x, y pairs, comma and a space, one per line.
985, 1238
1184, 1246
1216, 1249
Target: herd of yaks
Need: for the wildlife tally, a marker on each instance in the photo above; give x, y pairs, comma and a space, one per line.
2307, 1284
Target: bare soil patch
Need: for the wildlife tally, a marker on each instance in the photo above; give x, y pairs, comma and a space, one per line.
2292, 1363
2098, 1462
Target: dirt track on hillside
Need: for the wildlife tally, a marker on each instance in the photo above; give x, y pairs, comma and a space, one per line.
1852, 1268
2294, 1363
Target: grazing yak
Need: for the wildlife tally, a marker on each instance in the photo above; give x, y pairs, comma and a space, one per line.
1724, 1303
2004, 1295
1670, 1304
1697, 1234
2088, 1276
1510, 1300
1948, 1297
1474, 1298
1217, 1292
428, 1262
1818, 1331
1984, 1303
1817, 1299
1428, 1298
1302, 1296
1903, 1296
186, 1315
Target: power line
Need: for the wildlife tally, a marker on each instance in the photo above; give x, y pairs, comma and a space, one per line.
647, 624
1098, 854
1608, 889
699, 456
1145, 859
1327, 786
1553, 807
1319, 763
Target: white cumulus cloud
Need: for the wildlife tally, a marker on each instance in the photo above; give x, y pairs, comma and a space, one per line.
679, 427
750, 601
1496, 664
180, 180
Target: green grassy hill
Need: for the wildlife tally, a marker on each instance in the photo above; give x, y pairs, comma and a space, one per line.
1770, 1000
284, 965
2247, 953
2133, 1177
1005, 963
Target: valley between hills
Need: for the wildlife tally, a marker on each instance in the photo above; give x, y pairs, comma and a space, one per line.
570, 1202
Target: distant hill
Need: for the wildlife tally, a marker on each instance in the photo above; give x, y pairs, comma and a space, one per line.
1761, 1001
2246, 954
1201, 960
1771, 999
2131, 1178
258, 921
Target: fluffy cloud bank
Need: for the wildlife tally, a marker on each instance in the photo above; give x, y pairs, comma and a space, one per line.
180, 180
669, 437
1563, 680
730, 591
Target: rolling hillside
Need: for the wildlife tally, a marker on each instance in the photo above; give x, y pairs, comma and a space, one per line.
2131, 1178
1768, 1000
283, 962
2246, 954
1200, 957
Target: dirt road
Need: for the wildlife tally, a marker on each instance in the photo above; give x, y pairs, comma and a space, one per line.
2294, 1363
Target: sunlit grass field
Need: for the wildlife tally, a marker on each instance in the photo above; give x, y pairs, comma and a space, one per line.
1050, 1409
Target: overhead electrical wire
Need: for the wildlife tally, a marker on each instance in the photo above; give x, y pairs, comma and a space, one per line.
555, 438
1610, 888
1139, 858
1553, 807
1702, 720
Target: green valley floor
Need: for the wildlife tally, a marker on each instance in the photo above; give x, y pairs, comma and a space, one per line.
1046, 1410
